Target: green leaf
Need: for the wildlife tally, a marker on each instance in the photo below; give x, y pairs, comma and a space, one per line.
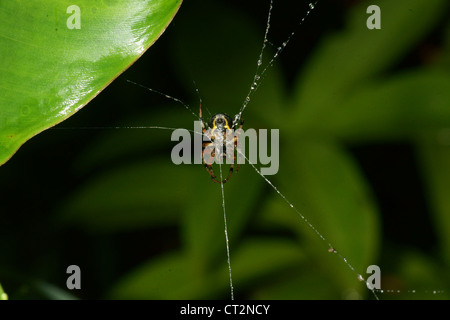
356, 55
50, 71
3, 295
399, 107
419, 276
434, 151
169, 277
125, 198
52, 292
176, 276
203, 223
264, 260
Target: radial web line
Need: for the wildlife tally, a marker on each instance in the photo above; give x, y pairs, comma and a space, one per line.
331, 249
186, 106
226, 234
257, 79
115, 128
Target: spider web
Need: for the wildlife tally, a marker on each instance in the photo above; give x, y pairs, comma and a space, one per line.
263, 63
257, 80
261, 69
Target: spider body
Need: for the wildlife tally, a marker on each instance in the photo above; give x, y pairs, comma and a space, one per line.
220, 122
221, 135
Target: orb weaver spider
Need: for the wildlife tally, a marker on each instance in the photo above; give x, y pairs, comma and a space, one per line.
216, 131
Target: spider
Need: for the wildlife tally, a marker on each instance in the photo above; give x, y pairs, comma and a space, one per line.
216, 131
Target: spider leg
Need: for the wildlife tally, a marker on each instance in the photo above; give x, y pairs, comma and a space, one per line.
200, 115
207, 146
230, 172
210, 147
238, 146
208, 166
210, 170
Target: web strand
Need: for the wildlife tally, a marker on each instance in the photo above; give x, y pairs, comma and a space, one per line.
259, 76
257, 80
226, 234
186, 106
118, 128
331, 248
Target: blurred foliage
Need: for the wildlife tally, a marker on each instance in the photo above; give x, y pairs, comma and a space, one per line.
3, 295
364, 123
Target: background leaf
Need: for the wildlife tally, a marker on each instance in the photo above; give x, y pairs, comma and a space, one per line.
434, 149
350, 59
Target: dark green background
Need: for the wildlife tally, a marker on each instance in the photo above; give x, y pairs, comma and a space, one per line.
364, 123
